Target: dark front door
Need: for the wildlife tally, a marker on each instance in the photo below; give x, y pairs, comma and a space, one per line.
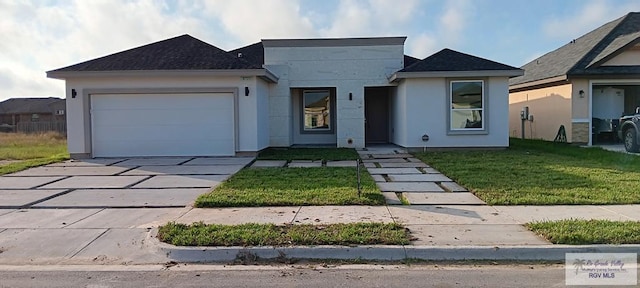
376, 113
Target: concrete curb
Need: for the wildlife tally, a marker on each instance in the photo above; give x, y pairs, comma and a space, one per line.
386, 253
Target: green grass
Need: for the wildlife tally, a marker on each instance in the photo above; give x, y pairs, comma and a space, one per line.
584, 232
533, 172
199, 234
31, 150
325, 154
293, 186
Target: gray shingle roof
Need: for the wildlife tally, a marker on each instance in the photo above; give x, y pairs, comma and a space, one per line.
409, 60
28, 105
253, 53
179, 53
584, 55
450, 60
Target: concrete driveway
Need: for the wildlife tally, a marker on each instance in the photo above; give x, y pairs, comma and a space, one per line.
100, 210
111, 183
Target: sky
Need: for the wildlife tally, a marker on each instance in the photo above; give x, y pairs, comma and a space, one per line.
41, 35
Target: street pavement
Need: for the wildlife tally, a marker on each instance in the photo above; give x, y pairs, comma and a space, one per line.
106, 211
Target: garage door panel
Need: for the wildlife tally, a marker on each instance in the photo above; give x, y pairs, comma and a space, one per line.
163, 125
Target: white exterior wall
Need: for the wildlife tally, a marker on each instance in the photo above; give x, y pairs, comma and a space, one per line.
425, 112
348, 68
262, 116
78, 117
398, 116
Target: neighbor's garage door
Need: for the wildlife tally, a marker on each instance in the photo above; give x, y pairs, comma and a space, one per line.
162, 124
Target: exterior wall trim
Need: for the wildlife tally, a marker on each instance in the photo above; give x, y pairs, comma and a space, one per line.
334, 42
439, 74
264, 74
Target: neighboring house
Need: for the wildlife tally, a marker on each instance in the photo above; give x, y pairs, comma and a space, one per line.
22, 114
585, 85
182, 96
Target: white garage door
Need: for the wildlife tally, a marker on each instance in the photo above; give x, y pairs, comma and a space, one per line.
194, 124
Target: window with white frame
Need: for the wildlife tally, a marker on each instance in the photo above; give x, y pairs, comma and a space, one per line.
467, 105
317, 110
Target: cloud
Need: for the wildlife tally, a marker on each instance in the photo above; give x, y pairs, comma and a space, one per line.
422, 45
592, 15
74, 31
249, 21
372, 17
448, 31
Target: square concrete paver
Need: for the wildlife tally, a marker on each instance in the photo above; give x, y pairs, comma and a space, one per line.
409, 187
81, 182
43, 246
402, 165
370, 165
524, 214
234, 216
126, 198
87, 162
44, 218
420, 198
130, 218
419, 178
72, 171
394, 171
342, 163
25, 182
378, 178
220, 161
392, 198
182, 181
449, 214
120, 246
305, 164
23, 197
391, 160
185, 170
342, 214
156, 161
452, 187
474, 235
268, 163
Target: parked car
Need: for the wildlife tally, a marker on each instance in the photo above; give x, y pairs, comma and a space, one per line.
629, 131
6, 128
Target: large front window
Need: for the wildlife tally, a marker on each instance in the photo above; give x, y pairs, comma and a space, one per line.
317, 110
467, 105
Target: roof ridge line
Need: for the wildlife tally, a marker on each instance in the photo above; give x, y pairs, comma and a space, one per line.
606, 37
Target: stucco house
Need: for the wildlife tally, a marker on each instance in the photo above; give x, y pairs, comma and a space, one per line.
182, 96
585, 85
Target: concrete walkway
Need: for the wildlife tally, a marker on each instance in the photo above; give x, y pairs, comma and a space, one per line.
399, 174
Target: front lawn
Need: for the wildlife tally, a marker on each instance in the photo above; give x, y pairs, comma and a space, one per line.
325, 154
199, 234
30, 150
585, 232
533, 172
292, 187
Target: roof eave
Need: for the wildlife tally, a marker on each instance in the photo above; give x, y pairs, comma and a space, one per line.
264, 74
538, 82
439, 74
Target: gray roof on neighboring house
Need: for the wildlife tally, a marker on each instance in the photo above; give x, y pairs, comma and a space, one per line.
28, 105
179, 53
450, 60
584, 55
